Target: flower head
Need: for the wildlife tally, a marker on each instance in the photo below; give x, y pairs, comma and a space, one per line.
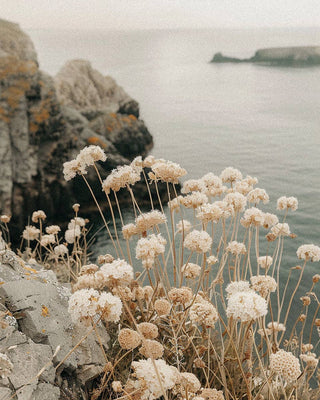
285, 364
309, 252
246, 306
198, 241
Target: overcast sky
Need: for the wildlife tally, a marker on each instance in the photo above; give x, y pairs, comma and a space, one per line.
147, 14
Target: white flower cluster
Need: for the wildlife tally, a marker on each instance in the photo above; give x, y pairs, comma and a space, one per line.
236, 248
184, 226
116, 273
120, 178
87, 157
145, 371
284, 203
237, 286
256, 195
246, 305
149, 248
166, 171
280, 229
309, 252
198, 241
237, 200
230, 175
31, 233
263, 284
265, 261
285, 364
210, 212
194, 200
252, 217
203, 312
85, 304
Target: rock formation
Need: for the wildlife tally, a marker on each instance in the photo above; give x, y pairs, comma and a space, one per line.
34, 322
286, 56
45, 121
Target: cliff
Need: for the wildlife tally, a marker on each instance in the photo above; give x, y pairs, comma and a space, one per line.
44, 121
287, 56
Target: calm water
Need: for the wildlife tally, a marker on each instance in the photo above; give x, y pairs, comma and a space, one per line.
263, 120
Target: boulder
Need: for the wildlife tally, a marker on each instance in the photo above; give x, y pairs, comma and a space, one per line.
37, 323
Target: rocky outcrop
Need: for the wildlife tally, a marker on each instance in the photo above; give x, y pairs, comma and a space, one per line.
287, 56
45, 121
36, 322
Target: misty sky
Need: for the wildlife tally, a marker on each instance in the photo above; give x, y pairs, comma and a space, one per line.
148, 14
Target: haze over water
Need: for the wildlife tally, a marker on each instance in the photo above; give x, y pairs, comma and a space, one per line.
263, 120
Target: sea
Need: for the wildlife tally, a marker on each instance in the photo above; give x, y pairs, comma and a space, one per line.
262, 120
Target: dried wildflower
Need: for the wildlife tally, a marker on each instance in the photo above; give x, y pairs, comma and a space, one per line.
167, 171
47, 239
60, 250
270, 220
285, 364
129, 230
211, 260
263, 284
162, 307
189, 382
227, 209
147, 292
83, 305
306, 347
246, 306
91, 154
38, 215
175, 203
145, 371
151, 349
213, 185
265, 261
210, 212
305, 300
256, 195
89, 269
124, 293
198, 363
53, 229
5, 218
87, 281
236, 248
194, 200
117, 386
193, 185
203, 312
105, 259
137, 164
129, 339
76, 207
149, 248
149, 220
237, 201
276, 326
116, 273
181, 295
184, 226
148, 330
77, 221
110, 307
6, 365
212, 394
309, 252
230, 175
237, 286
243, 187
198, 241
316, 278
31, 233
72, 168
120, 178
280, 230
191, 271
284, 203
310, 359
252, 216
302, 317
72, 234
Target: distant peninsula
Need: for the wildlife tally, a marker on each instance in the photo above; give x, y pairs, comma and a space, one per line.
286, 56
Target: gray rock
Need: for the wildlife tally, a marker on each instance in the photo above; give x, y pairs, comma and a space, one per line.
82, 87
39, 324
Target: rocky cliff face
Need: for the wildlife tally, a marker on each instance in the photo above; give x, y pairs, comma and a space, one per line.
44, 121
